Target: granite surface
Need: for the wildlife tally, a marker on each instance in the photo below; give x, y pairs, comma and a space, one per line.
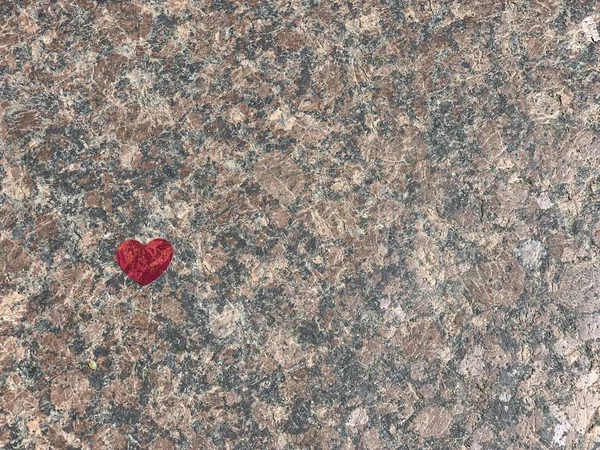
385, 217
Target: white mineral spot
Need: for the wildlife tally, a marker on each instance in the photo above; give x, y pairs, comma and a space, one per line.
544, 201
505, 397
358, 417
590, 28
560, 433
531, 253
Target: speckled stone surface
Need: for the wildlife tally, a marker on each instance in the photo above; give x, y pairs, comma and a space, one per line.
385, 217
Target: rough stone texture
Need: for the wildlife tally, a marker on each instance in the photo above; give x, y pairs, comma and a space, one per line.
384, 214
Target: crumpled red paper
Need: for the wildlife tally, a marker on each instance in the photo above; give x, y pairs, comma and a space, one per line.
144, 263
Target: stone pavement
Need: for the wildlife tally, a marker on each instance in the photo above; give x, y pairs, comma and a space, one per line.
385, 217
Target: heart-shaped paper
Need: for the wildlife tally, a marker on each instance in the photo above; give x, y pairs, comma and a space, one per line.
144, 263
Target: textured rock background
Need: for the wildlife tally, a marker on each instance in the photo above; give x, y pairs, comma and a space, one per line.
384, 213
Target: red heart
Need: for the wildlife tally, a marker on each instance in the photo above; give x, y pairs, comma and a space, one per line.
144, 263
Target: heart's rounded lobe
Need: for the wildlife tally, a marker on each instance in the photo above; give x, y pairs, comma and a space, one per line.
144, 263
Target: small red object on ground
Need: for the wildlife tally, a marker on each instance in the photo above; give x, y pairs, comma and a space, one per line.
144, 263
